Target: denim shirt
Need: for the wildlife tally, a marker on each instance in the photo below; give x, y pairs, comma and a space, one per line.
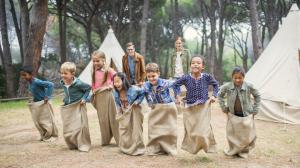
134, 94
78, 90
162, 92
40, 89
244, 93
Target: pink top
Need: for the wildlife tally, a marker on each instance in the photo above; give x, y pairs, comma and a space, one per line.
99, 77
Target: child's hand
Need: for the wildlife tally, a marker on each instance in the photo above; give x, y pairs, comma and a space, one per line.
46, 100
152, 106
177, 99
82, 102
212, 99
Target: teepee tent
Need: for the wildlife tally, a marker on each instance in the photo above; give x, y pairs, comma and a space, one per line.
276, 74
113, 52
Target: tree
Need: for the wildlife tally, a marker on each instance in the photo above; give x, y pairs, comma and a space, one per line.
62, 19
6, 54
257, 45
144, 27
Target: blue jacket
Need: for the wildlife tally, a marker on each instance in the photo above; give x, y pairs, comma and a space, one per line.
162, 92
40, 89
78, 90
134, 94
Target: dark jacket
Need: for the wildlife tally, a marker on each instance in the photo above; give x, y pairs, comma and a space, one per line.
140, 72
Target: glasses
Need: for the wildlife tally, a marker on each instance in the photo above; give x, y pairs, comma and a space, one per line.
130, 49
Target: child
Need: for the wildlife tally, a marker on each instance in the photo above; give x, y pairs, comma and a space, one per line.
128, 98
41, 108
240, 128
73, 112
196, 116
103, 99
162, 124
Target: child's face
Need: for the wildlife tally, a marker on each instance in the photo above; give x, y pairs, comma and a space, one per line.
153, 77
25, 76
197, 65
67, 77
98, 62
238, 79
118, 84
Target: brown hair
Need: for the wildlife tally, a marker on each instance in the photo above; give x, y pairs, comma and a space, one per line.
152, 67
101, 55
129, 44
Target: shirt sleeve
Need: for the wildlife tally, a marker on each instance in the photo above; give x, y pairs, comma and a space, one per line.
141, 95
117, 99
221, 99
257, 99
86, 89
147, 95
176, 89
179, 82
212, 81
47, 85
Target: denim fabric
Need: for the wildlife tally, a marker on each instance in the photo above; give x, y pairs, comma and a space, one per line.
134, 94
40, 89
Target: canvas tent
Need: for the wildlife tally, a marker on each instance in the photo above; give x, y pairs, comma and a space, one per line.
276, 74
113, 52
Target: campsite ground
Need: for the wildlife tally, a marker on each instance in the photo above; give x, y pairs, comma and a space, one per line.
278, 146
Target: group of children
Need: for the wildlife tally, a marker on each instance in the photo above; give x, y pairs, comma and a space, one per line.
119, 110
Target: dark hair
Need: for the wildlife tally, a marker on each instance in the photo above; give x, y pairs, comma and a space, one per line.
126, 85
152, 67
129, 44
27, 69
199, 56
238, 70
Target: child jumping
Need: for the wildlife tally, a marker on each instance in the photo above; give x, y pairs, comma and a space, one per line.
73, 112
196, 115
41, 109
128, 99
162, 124
240, 129
102, 99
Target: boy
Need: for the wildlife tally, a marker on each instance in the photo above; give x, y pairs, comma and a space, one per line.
40, 108
162, 126
75, 122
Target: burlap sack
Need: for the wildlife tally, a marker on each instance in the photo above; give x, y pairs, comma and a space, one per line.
43, 118
75, 126
162, 130
198, 132
241, 135
104, 103
131, 131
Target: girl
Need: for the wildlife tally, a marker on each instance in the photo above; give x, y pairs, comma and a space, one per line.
196, 115
103, 99
240, 111
130, 117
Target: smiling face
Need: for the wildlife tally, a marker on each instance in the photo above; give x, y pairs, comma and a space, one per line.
153, 77
25, 76
67, 77
98, 62
238, 79
197, 65
178, 45
118, 83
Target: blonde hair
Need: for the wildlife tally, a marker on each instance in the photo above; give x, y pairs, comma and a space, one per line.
101, 55
152, 67
68, 66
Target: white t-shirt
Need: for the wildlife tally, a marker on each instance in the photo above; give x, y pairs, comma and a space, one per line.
178, 66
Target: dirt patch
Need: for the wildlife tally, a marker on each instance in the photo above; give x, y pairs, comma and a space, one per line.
277, 146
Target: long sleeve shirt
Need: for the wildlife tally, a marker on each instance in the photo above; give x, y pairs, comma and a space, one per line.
78, 90
134, 94
161, 92
40, 89
99, 77
197, 89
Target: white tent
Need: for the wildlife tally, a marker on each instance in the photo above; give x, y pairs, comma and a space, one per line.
276, 73
113, 52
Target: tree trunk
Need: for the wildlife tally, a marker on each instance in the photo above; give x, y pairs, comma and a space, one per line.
24, 24
36, 31
17, 28
213, 48
257, 47
130, 20
61, 9
144, 28
88, 31
271, 18
7, 60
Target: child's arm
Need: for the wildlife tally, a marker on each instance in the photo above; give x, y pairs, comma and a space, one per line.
48, 88
221, 99
176, 85
86, 89
117, 99
141, 95
212, 81
148, 96
256, 96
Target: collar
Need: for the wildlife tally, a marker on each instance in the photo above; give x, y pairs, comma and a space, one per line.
134, 56
232, 87
74, 81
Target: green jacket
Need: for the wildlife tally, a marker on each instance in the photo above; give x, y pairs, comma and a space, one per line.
185, 58
78, 90
230, 91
